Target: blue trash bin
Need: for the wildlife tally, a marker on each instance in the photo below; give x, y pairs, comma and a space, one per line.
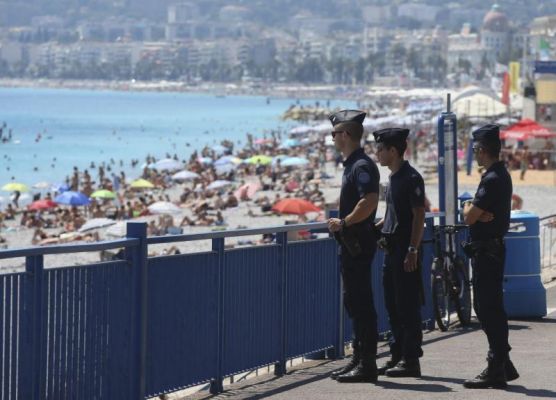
524, 293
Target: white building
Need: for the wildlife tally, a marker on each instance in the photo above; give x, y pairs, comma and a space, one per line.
465, 46
496, 34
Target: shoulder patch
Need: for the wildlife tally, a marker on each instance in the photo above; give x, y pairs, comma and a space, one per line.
364, 177
418, 191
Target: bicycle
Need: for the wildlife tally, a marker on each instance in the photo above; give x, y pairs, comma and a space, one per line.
451, 286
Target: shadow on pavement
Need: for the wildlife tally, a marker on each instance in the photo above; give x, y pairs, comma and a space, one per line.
531, 392
457, 381
418, 387
537, 320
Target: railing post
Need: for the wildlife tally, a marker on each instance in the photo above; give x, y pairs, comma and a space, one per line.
282, 241
138, 257
216, 384
33, 350
339, 351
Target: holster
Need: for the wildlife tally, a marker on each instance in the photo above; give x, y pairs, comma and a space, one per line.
385, 244
349, 239
488, 247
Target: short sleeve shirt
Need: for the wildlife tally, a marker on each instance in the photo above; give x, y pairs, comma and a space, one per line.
405, 191
360, 178
494, 195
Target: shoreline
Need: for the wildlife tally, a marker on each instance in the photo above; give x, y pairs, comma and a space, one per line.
271, 90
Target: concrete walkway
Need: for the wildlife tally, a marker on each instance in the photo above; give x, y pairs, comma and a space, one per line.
450, 358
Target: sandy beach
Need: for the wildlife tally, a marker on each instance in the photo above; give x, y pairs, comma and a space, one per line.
535, 191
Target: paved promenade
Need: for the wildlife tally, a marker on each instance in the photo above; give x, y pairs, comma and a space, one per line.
450, 358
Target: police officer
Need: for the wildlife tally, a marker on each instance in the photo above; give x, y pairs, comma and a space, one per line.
402, 230
355, 231
488, 217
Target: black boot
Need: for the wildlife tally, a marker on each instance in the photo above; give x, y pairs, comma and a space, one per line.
494, 376
511, 372
351, 365
405, 369
391, 363
364, 372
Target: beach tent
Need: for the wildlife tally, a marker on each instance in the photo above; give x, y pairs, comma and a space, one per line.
478, 105
526, 129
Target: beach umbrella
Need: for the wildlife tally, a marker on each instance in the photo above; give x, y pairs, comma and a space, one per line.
295, 206
117, 230
41, 205
60, 187
224, 169
294, 162
141, 184
301, 130
103, 194
72, 198
249, 190
290, 143
281, 157
219, 184
96, 223
263, 141
219, 149
164, 207
205, 160
15, 186
227, 160
185, 175
291, 186
259, 159
42, 185
167, 164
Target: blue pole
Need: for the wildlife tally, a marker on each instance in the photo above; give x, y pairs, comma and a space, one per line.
282, 241
33, 352
138, 258
216, 384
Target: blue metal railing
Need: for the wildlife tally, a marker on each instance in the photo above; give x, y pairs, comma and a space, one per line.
141, 326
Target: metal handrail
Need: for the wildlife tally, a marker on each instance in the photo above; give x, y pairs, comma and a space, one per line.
238, 232
67, 248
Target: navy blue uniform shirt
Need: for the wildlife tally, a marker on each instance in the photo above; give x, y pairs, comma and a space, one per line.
360, 178
494, 195
406, 190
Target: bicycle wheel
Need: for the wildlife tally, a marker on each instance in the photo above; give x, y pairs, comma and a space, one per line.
461, 291
440, 295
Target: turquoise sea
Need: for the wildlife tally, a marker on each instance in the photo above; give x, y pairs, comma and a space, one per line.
80, 126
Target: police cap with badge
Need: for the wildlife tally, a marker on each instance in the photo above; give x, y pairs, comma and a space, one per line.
488, 135
391, 136
350, 121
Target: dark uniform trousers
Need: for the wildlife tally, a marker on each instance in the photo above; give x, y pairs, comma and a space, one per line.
358, 300
488, 301
403, 300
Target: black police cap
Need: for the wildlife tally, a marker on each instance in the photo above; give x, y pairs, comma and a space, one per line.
347, 116
391, 135
488, 133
